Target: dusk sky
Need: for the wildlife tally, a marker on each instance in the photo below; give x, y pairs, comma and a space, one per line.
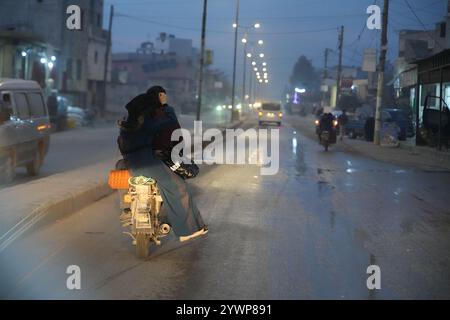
289, 28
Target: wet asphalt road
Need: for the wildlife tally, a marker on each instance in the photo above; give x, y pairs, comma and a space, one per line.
309, 232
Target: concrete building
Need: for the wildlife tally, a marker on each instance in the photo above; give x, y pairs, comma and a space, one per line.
78, 55
169, 44
416, 46
354, 81
135, 72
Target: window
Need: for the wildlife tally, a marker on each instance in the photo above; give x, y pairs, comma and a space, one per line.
22, 106
271, 106
96, 56
443, 28
36, 104
69, 70
79, 66
6, 105
99, 20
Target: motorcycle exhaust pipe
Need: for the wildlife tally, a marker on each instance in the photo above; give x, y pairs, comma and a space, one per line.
164, 228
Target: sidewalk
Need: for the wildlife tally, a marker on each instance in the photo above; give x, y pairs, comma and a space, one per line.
33, 204
423, 158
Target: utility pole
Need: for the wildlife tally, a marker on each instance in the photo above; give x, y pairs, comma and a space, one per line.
105, 70
325, 67
250, 88
381, 66
325, 75
339, 71
245, 70
234, 114
202, 59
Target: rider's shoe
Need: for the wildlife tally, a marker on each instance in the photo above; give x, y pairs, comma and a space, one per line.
201, 232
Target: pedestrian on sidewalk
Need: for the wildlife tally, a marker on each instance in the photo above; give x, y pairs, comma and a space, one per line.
342, 120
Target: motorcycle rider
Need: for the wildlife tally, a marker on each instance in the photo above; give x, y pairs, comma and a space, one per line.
149, 125
326, 123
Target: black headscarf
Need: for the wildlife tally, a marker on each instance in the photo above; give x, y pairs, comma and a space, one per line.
136, 107
153, 97
141, 105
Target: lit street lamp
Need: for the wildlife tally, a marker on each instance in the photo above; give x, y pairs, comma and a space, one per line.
236, 26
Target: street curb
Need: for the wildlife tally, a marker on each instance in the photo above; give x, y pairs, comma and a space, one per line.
53, 210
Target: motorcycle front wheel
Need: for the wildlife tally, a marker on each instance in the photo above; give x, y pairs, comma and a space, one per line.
142, 243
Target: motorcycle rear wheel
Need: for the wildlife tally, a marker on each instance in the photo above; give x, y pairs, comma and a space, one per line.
142, 243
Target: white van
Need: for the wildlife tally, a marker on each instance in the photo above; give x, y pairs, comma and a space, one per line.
270, 112
24, 127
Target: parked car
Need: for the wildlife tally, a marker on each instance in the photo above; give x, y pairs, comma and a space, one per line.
24, 127
401, 119
356, 125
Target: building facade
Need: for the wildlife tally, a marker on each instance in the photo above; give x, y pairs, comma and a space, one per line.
73, 60
135, 72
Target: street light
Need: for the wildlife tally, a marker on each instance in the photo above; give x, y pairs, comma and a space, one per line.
260, 42
264, 69
261, 55
264, 64
244, 41
249, 55
253, 63
24, 54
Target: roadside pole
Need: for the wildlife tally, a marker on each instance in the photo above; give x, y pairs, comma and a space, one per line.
202, 60
325, 75
380, 85
235, 116
339, 71
105, 70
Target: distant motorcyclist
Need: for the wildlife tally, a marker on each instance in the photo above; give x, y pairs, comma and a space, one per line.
326, 122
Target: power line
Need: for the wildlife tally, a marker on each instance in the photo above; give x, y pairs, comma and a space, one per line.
141, 19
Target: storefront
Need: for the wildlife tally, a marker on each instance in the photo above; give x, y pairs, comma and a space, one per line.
26, 56
432, 89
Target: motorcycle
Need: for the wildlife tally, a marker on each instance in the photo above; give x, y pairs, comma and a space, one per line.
328, 137
141, 204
